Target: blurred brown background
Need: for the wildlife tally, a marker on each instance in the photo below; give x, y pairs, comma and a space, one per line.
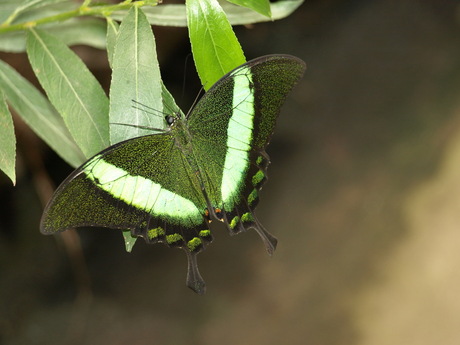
364, 197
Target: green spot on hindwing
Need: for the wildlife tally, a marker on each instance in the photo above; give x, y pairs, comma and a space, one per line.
155, 233
174, 238
234, 222
253, 197
262, 161
247, 217
194, 244
204, 233
258, 178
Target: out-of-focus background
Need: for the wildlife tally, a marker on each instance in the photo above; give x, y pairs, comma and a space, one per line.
364, 197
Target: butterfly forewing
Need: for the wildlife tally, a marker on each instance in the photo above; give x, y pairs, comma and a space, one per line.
143, 184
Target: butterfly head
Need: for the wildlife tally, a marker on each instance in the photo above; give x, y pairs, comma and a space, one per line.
173, 118
170, 120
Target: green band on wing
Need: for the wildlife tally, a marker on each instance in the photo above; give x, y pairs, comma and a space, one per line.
239, 137
142, 193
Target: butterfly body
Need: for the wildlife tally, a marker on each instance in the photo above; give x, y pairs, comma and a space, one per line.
210, 166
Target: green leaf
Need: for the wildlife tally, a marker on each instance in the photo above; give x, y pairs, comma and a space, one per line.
13, 42
238, 15
260, 6
89, 32
32, 10
112, 32
7, 141
135, 93
215, 48
162, 15
129, 240
7, 8
169, 105
38, 113
72, 89
175, 15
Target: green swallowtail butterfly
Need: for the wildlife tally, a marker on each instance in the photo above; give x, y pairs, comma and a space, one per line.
207, 167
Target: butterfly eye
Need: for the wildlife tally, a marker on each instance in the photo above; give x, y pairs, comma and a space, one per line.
169, 119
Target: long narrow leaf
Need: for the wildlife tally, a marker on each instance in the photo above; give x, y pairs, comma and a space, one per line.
7, 141
175, 14
215, 48
260, 6
135, 92
169, 105
38, 9
86, 31
7, 8
72, 89
238, 15
112, 33
37, 112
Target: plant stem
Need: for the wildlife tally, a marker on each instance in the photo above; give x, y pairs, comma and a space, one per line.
84, 10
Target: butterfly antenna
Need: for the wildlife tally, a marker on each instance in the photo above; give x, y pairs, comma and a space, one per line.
184, 84
146, 109
171, 111
162, 130
185, 76
198, 96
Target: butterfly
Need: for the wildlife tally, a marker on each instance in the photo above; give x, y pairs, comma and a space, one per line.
206, 167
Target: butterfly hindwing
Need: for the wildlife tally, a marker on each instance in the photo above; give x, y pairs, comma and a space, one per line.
231, 126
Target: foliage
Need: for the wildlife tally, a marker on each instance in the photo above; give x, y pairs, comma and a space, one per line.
76, 118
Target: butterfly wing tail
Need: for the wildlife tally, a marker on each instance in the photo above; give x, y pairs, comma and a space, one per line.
269, 240
194, 279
